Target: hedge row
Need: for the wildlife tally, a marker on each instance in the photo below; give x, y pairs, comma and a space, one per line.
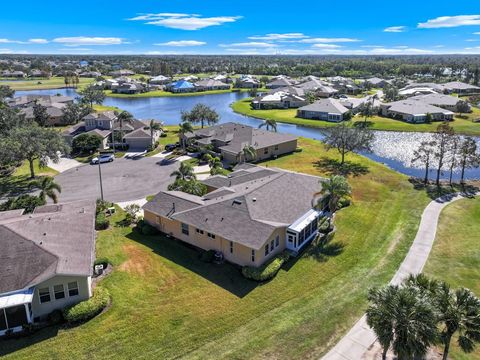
266, 271
89, 308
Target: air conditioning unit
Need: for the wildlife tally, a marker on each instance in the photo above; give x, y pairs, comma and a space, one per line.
98, 269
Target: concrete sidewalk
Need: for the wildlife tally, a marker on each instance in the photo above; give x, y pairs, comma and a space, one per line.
360, 338
63, 164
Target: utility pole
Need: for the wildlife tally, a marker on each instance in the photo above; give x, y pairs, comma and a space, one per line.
100, 175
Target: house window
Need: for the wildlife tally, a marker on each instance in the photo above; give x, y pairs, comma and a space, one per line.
253, 255
59, 292
266, 250
231, 247
210, 235
272, 245
265, 151
185, 229
277, 241
72, 288
199, 231
276, 147
44, 295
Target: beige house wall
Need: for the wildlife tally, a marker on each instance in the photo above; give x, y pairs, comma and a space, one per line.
274, 150
84, 293
241, 254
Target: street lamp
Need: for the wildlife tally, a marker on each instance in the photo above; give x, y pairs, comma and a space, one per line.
100, 176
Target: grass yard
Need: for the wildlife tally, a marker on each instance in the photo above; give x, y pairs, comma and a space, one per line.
162, 93
462, 124
455, 257
39, 84
168, 304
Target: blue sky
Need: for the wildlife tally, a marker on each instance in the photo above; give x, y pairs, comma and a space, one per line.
240, 27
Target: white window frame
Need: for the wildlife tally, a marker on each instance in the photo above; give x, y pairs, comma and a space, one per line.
75, 288
40, 296
55, 292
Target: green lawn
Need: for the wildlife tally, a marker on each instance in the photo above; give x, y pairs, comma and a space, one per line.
455, 257
38, 84
462, 125
162, 93
168, 304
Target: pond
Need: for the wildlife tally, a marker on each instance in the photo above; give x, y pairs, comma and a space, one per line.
394, 149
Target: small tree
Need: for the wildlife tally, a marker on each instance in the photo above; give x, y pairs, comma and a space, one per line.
443, 138
92, 95
346, 139
131, 215
48, 188
468, 156
333, 190
201, 114
248, 153
428, 118
453, 155
86, 143
424, 155
74, 112
153, 126
6, 92
184, 172
269, 124
40, 114
253, 93
463, 107
184, 128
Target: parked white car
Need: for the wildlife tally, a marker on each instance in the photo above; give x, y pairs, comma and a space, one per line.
104, 158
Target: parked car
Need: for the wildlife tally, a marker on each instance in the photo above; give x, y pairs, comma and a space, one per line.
102, 159
171, 147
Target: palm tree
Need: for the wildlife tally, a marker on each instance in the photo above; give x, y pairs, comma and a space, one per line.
184, 172
249, 152
123, 117
459, 313
154, 126
334, 189
269, 124
380, 315
185, 127
48, 188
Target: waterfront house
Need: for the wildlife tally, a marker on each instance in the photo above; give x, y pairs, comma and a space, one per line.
249, 216
324, 109
415, 111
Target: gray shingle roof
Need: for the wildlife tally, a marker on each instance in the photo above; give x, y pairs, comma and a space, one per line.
37, 246
331, 106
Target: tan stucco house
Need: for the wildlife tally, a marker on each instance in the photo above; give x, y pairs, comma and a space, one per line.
229, 140
43, 267
248, 216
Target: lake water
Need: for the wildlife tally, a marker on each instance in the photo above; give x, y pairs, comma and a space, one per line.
394, 149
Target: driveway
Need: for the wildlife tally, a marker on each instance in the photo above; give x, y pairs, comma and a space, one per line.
123, 180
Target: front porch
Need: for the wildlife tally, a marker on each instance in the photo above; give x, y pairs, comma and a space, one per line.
15, 310
303, 230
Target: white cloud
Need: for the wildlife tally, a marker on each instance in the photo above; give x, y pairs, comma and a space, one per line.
372, 46
181, 43
395, 29
38, 41
328, 40
450, 21
89, 41
326, 46
184, 21
6, 51
8, 41
279, 37
439, 46
399, 51
252, 44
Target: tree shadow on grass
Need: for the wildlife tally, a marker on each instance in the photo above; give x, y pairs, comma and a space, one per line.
8, 346
334, 167
363, 124
324, 249
16, 185
434, 192
226, 275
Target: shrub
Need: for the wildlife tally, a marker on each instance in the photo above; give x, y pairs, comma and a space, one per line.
102, 205
55, 317
101, 261
27, 202
298, 149
344, 202
208, 256
101, 222
89, 308
324, 225
86, 143
266, 271
163, 134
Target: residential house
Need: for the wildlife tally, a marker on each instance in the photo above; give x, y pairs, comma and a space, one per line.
122, 72
447, 102
44, 266
247, 82
318, 87
54, 104
90, 74
249, 216
14, 74
211, 84
461, 88
160, 80
377, 82
279, 82
181, 86
324, 109
344, 85
36, 73
278, 99
415, 111
230, 139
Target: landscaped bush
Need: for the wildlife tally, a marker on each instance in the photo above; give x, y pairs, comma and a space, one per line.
267, 271
163, 134
324, 225
344, 202
298, 149
208, 256
55, 317
101, 222
102, 206
89, 308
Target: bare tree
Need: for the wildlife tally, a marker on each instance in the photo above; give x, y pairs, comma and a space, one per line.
346, 139
453, 152
443, 138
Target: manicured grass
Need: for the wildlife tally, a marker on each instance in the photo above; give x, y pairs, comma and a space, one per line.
166, 303
24, 169
462, 124
455, 257
38, 84
105, 108
162, 93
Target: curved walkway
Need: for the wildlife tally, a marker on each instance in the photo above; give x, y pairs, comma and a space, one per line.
360, 337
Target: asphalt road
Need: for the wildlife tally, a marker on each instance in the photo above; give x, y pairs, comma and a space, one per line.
123, 180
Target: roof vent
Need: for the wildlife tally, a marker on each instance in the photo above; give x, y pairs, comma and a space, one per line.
254, 199
44, 234
237, 202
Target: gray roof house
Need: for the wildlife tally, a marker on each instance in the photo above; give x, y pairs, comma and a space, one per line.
279, 99
211, 84
43, 267
230, 139
377, 82
249, 215
324, 109
447, 102
415, 111
319, 87
54, 105
461, 88
279, 83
